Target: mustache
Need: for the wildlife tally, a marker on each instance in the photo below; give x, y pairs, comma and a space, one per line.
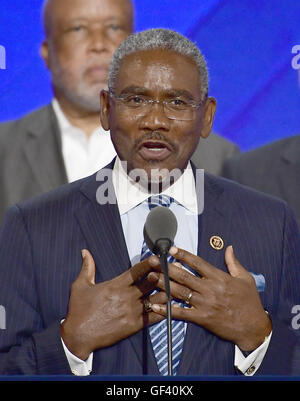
155, 135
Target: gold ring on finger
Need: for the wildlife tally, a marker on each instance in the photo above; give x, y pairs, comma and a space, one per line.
147, 305
188, 298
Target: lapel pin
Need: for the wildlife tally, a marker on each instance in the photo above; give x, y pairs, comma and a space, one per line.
216, 242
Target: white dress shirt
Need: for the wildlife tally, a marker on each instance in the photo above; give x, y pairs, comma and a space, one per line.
133, 210
82, 155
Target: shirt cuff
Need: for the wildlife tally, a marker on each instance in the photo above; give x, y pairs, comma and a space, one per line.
250, 364
78, 367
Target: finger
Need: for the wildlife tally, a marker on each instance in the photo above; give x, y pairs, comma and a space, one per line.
152, 318
159, 298
204, 268
146, 286
139, 270
177, 311
233, 265
88, 268
178, 291
184, 277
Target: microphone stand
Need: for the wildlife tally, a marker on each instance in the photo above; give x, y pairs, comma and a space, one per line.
164, 246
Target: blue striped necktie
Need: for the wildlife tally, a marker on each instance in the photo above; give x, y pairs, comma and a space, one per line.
158, 331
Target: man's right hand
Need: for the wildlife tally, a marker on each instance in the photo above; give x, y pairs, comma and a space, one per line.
103, 314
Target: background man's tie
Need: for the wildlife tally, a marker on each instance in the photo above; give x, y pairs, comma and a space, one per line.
158, 331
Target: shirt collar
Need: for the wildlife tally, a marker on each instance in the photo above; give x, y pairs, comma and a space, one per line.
129, 194
65, 125
63, 122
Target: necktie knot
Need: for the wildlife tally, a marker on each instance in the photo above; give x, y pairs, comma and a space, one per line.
159, 200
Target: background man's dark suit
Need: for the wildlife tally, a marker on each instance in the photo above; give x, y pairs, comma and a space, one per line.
42, 259
273, 169
31, 160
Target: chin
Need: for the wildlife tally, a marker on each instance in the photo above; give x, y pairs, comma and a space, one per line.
90, 104
159, 178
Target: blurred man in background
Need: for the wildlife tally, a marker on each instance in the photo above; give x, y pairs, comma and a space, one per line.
64, 141
272, 168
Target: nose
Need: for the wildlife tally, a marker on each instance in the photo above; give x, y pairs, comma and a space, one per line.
98, 42
155, 119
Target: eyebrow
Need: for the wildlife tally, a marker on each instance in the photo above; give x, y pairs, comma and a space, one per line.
180, 92
86, 17
134, 89
83, 19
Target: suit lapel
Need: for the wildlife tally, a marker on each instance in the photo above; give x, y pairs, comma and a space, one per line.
102, 228
42, 149
288, 175
214, 221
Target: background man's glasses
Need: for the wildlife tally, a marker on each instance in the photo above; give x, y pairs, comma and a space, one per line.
176, 108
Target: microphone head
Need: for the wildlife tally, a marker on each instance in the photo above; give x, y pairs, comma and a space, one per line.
161, 224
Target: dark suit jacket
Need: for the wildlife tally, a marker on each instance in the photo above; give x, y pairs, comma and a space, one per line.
40, 256
31, 160
273, 169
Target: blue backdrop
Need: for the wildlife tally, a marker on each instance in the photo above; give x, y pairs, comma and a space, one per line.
248, 46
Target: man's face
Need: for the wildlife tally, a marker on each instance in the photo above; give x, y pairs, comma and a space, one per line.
82, 37
154, 141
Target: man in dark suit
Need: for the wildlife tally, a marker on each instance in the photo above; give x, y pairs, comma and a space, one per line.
63, 141
101, 315
273, 169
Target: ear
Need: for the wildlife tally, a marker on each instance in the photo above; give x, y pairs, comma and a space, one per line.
104, 109
44, 52
208, 116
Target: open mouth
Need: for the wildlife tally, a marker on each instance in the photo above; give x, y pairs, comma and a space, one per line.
154, 150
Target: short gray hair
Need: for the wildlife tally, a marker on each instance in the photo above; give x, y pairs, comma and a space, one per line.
159, 38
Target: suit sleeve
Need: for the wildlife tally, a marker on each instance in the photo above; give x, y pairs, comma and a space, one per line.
26, 346
282, 357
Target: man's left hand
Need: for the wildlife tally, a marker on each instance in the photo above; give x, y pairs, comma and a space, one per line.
226, 304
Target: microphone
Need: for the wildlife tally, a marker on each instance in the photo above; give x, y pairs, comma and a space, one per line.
159, 233
160, 230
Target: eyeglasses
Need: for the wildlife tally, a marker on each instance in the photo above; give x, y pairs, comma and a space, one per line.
175, 108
